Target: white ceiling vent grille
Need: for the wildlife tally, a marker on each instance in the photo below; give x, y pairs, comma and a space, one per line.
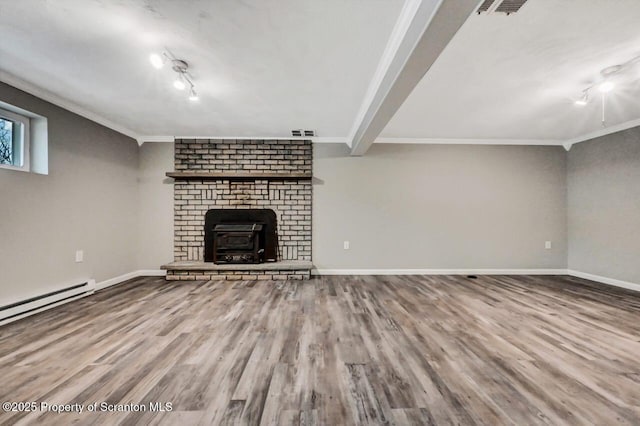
501, 6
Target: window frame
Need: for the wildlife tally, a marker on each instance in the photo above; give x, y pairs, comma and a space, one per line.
25, 151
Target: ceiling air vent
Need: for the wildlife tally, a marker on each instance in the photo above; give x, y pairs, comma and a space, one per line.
303, 132
510, 6
501, 6
486, 4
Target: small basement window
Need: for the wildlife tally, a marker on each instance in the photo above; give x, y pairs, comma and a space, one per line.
24, 140
14, 140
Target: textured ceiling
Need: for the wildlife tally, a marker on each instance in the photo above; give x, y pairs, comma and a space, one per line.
261, 67
517, 76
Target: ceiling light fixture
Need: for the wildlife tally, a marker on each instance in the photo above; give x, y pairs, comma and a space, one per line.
180, 67
583, 100
193, 96
156, 60
606, 83
606, 87
178, 83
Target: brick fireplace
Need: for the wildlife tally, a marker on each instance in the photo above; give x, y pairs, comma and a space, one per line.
213, 174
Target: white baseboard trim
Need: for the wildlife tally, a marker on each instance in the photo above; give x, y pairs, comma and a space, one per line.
116, 280
596, 278
604, 280
439, 272
130, 275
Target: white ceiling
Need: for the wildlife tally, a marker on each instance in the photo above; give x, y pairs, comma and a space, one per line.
261, 67
517, 76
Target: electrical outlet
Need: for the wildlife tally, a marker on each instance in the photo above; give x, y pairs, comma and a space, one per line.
345, 245
547, 245
79, 256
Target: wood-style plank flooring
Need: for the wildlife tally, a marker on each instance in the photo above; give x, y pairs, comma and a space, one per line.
334, 351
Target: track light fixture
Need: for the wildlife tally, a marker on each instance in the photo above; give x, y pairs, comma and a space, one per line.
193, 96
180, 67
157, 61
605, 84
606, 87
583, 100
179, 83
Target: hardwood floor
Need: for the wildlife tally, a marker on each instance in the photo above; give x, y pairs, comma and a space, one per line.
334, 351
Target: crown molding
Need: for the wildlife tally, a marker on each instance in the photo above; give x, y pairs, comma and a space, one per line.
410, 141
445, 141
567, 143
61, 102
160, 138
336, 139
166, 138
314, 139
604, 132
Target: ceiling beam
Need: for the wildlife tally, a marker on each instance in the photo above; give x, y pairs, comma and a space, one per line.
423, 30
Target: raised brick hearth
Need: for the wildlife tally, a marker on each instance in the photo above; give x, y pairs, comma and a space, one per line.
242, 174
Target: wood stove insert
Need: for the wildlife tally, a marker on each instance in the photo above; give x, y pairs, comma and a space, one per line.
240, 236
234, 243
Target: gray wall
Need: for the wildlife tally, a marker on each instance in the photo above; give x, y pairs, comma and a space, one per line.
155, 206
431, 206
440, 207
476, 206
604, 206
88, 201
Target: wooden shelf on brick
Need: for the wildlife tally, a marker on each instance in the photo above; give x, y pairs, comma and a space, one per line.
239, 176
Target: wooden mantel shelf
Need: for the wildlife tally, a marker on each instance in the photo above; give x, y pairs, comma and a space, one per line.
232, 175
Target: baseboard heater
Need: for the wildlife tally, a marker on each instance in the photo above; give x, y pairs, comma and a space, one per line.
35, 304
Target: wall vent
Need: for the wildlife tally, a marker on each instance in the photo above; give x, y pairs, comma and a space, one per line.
501, 6
303, 132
